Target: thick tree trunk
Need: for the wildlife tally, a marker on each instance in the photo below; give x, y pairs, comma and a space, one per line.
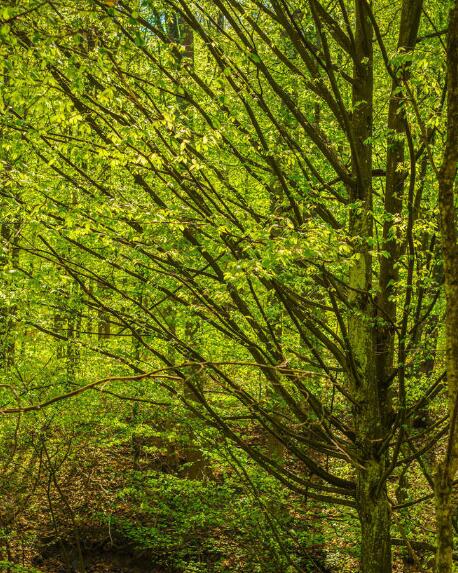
371, 494
374, 515
370, 413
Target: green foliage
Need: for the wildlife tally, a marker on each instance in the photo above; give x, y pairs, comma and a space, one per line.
199, 525
9, 567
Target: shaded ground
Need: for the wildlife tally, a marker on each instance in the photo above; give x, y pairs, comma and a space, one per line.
101, 561
100, 554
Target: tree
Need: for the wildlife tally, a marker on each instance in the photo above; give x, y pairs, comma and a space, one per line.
448, 468
181, 207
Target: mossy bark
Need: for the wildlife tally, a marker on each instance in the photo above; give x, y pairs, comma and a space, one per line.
374, 515
444, 525
448, 468
371, 402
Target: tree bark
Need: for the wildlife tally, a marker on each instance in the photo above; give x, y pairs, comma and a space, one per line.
372, 405
394, 191
443, 488
374, 515
448, 468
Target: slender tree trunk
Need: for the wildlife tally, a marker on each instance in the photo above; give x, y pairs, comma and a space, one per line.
443, 487
8, 257
448, 468
74, 318
394, 195
103, 319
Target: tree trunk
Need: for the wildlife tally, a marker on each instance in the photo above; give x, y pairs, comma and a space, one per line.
9, 255
373, 405
443, 487
447, 470
375, 520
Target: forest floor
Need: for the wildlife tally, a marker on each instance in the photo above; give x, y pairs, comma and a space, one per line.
155, 527
102, 562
